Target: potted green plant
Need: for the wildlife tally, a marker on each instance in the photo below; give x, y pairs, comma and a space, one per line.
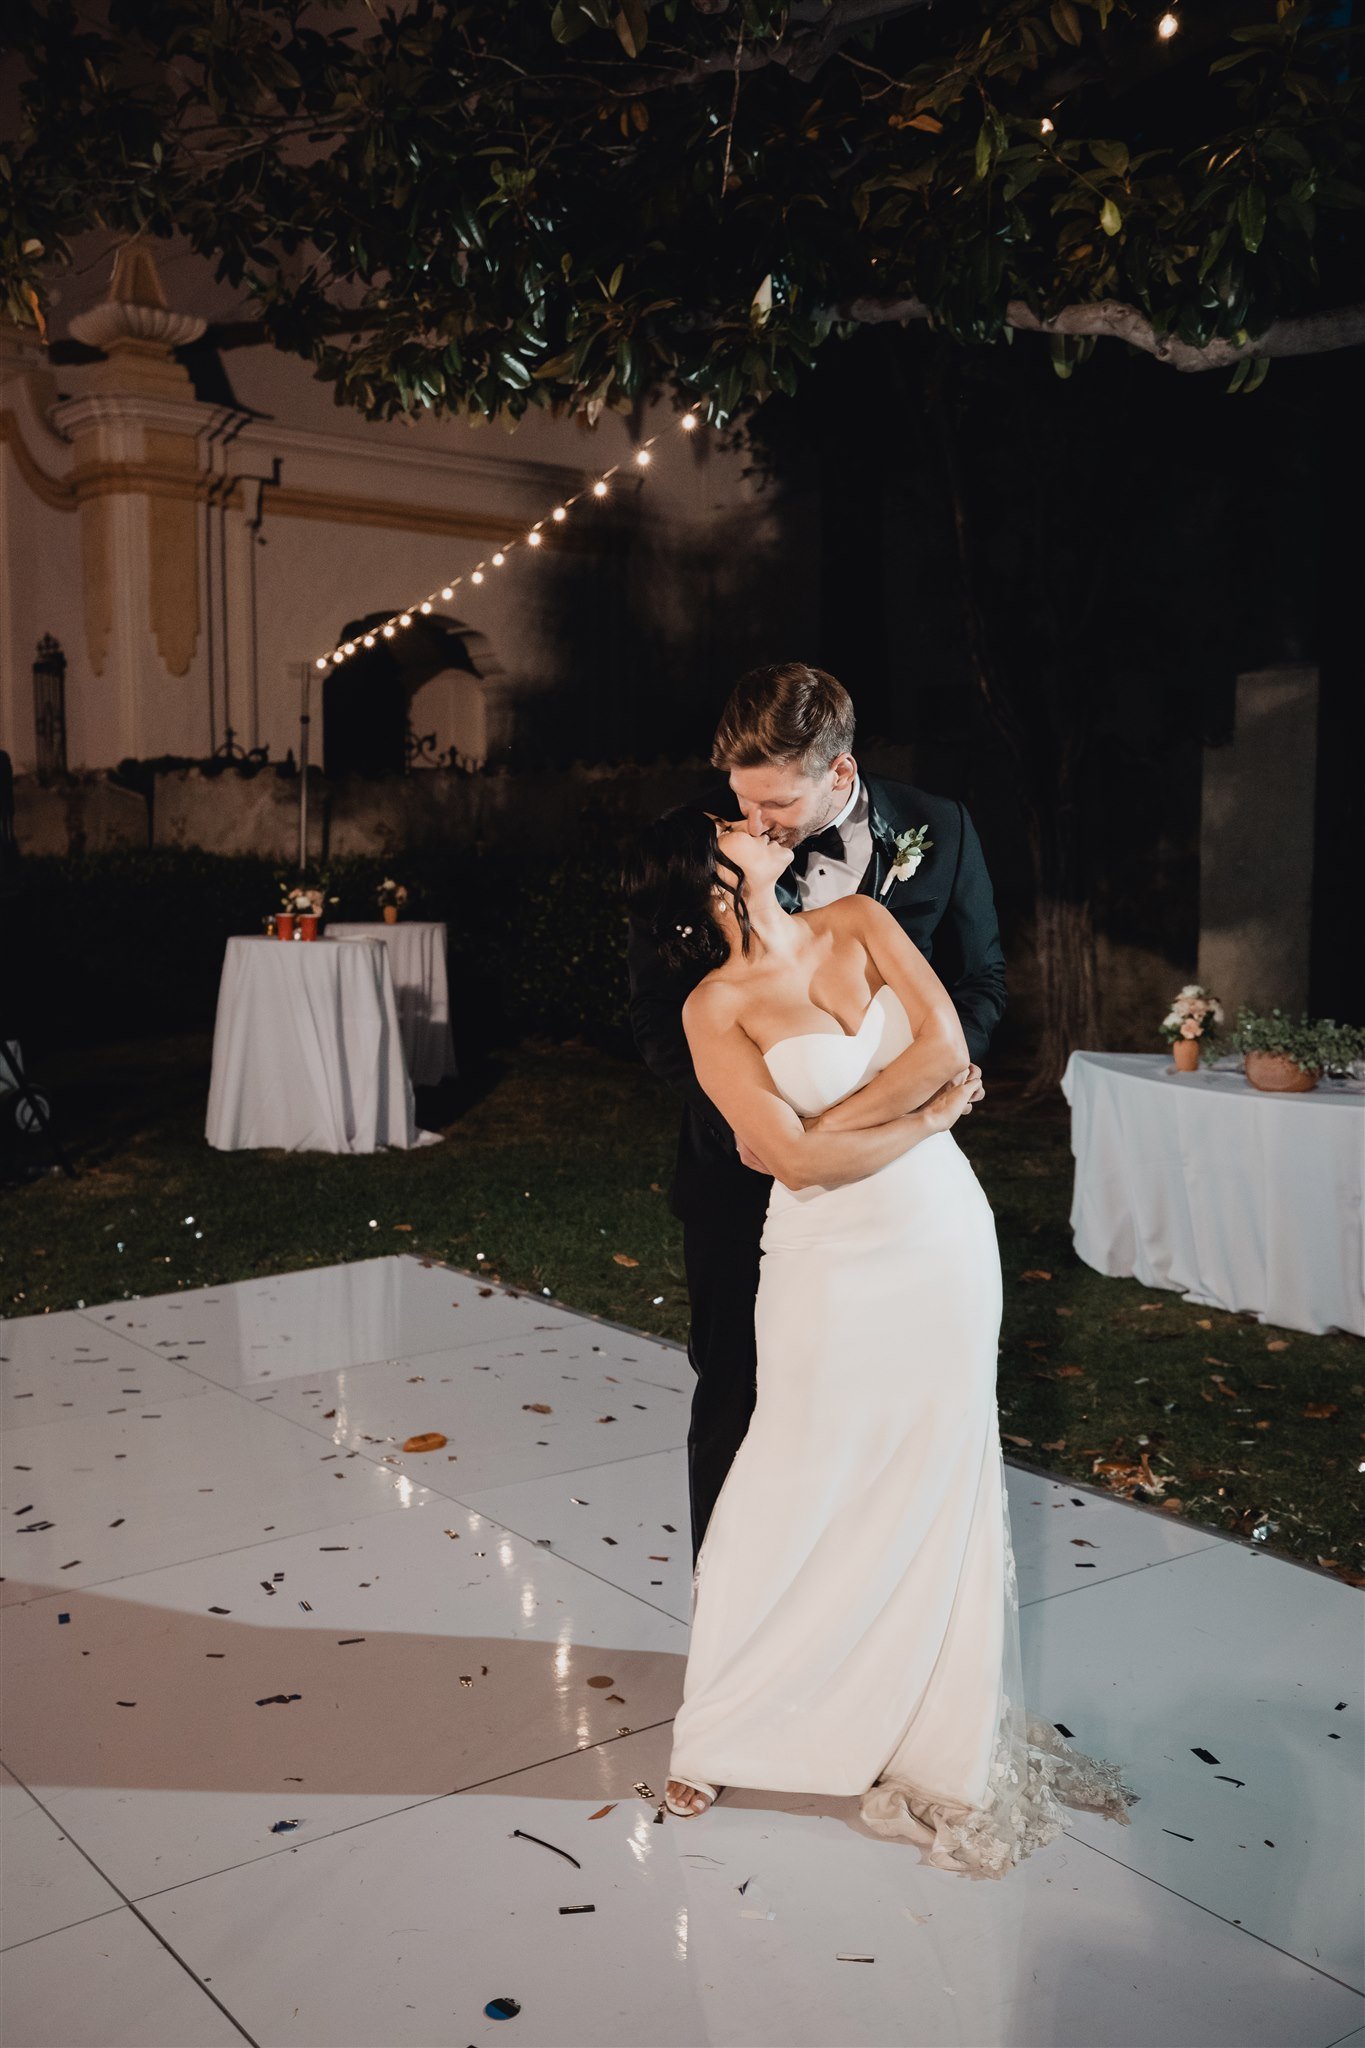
1287, 1056
1189, 1024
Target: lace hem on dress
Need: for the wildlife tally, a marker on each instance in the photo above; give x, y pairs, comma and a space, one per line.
1024, 1808
1035, 1774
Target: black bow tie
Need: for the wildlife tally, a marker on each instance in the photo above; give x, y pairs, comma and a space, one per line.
827, 842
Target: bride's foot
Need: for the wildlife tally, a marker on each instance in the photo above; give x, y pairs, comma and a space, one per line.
686, 1800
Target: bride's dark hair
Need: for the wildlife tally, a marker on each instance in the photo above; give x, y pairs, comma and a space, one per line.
668, 873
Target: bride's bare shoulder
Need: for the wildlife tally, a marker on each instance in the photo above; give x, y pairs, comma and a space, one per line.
713, 1001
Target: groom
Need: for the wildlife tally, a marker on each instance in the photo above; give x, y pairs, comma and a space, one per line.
785, 741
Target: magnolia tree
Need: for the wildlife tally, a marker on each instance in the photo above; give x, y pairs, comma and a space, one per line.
484, 206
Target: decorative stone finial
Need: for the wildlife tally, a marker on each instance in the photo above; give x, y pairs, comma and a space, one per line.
136, 308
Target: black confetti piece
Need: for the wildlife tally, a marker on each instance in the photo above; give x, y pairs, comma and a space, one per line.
500, 2008
1231, 1781
1179, 1837
279, 1699
548, 1845
1062, 1729
284, 1827
1206, 1756
578, 1909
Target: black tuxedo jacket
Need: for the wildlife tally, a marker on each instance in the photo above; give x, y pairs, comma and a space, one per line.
946, 907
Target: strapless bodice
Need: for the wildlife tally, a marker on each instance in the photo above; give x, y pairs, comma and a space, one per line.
817, 1068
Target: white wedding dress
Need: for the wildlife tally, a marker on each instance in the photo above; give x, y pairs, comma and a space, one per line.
855, 1612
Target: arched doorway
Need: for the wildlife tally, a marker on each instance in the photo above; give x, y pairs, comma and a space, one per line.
431, 697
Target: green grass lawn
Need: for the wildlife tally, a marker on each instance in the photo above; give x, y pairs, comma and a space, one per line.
552, 1175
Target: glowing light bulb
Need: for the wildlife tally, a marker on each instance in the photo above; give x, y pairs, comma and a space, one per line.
642, 456
1167, 26
368, 641
321, 661
426, 605
388, 632
1045, 125
533, 539
447, 593
499, 559
477, 577
406, 619
339, 655
559, 513
348, 647
599, 489
688, 422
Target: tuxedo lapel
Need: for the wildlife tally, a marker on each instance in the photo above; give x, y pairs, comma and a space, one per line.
883, 842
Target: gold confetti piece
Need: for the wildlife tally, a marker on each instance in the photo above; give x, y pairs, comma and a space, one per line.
624, 1259
1059, 1445
537, 1408
1150, 1308
646, 1793
1277, 1344
606, 1418
603, 1811
428, 1440
1321, 1411
402, 1226
600, 1682
1035, 1273
1203, 1323
1026, 1442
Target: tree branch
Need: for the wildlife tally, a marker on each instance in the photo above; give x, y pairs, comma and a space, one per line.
1308, 334
802, 55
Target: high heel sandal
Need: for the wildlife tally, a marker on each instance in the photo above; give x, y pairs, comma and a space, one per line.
712, 1792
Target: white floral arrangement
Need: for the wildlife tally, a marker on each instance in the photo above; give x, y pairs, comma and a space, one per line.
304, 902
1192, 1013
391, 894
911, 848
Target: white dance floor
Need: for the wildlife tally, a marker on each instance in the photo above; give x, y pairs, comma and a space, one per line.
284, 1765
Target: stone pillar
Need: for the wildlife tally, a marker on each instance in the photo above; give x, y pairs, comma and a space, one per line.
140, 440
1256, 845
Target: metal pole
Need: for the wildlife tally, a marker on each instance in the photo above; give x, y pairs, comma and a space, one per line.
306, 674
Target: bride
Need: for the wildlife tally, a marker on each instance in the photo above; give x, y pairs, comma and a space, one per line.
855, 1623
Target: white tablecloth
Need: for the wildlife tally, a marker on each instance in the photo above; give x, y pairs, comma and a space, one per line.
417, 961
1238, 1199
306, 1051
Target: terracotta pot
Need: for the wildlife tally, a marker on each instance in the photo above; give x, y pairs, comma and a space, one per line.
308, 927
284, 925
1185, 1053
1278, 1075
390, 913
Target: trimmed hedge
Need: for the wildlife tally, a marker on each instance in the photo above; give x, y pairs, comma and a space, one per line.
130, 943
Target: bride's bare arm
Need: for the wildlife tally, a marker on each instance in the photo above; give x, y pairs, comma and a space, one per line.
733, 1073
939, 1051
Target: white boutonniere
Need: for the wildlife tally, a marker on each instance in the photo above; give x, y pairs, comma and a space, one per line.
911, 848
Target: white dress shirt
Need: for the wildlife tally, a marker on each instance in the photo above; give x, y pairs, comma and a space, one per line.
826, 880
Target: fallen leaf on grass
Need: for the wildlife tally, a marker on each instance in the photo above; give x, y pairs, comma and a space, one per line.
1277, 1343
624, 1259
1035, 1273
1069, 1372
1202, 1323
1060, 1445
1026, 1442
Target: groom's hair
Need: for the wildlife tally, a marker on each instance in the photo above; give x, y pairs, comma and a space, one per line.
784, 712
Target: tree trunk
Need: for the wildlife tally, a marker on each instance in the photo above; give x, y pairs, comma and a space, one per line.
1044, 733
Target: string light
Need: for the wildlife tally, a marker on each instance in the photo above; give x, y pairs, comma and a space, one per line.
1167, 26
1045, 126
600, 488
